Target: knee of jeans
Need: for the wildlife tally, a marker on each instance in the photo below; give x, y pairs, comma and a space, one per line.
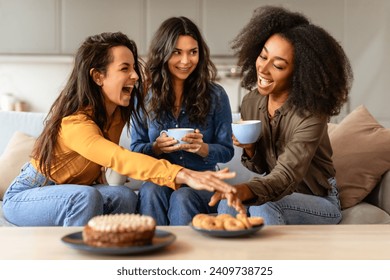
182, 195
130, 196
88, 195
123, 192
150, 191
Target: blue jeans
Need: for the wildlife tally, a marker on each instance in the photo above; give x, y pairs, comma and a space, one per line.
28, 202
296, 209
169, 207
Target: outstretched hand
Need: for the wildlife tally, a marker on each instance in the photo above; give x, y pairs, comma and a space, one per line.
232, 200
206, 180
212, 181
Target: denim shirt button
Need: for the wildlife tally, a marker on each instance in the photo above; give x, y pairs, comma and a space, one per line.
176, 125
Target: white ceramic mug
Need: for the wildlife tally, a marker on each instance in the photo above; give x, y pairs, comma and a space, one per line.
247, 131
178, 133
114, 178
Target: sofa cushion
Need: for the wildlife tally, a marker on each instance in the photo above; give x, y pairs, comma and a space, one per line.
361, 155
365, 213
381, 194
16, 153
30, 123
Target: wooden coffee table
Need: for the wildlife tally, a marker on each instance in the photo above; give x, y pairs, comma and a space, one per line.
318, 242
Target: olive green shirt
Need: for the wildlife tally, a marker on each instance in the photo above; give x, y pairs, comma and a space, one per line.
293, 152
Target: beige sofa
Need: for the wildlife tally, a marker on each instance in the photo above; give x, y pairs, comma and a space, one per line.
364, 185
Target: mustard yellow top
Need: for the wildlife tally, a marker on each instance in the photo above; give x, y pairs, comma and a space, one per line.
82, 150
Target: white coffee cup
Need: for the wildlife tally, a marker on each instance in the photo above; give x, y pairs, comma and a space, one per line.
178, 133
247, 131
114, 178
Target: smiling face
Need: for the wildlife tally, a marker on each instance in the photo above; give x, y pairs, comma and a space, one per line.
119, 80
184, 58
275, 66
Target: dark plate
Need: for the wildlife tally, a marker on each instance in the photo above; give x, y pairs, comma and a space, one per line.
228, 233
160, 240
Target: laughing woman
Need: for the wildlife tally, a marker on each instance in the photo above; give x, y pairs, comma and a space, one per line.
299, 76
60, 185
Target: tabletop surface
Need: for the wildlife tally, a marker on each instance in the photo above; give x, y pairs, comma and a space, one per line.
317, 242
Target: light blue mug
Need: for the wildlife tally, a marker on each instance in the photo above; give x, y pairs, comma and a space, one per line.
247, 131
178, 133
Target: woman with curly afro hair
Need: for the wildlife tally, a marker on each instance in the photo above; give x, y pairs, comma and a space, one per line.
298, 76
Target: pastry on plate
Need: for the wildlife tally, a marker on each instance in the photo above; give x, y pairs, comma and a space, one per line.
119, 230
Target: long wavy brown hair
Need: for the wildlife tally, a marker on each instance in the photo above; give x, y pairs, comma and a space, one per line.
322, 75
196, 95
81, 93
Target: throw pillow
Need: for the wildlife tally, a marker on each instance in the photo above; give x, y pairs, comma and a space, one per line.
16, 154
361, 155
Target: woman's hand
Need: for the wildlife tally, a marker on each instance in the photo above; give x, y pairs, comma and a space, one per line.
195, 144
165, 144
234, 200
206, 180
249, 148
212, 181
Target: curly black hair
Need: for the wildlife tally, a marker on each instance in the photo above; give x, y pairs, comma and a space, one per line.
322, 75
196, 95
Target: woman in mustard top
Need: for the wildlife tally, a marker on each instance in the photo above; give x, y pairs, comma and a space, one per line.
63, 184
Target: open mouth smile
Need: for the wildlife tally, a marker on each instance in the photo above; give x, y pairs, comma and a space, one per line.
263, 82
128, 88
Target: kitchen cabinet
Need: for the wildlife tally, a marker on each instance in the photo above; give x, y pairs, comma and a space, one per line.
80, 19
29, 26
60, 26
222, 21
157, 11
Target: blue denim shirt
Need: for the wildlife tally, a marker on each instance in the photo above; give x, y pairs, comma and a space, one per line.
217, 133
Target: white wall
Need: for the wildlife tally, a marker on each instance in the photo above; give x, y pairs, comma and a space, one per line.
36, 80
367, 42
361, 26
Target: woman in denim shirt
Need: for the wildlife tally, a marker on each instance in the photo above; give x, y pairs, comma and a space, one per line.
182, 95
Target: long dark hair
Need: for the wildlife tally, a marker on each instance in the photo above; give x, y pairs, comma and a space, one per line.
322, 75
196, 95
81, 93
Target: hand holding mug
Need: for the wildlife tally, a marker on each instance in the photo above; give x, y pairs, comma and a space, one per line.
165, 144
171, 140
193, 142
